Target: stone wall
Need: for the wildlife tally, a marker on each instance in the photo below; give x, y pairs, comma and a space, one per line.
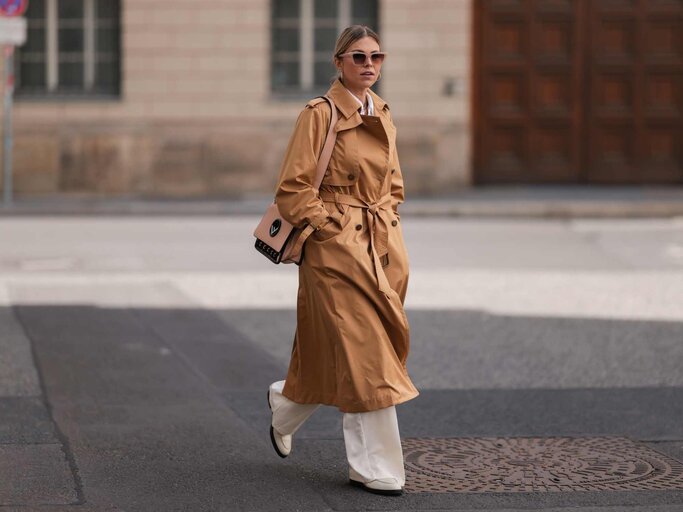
195, 117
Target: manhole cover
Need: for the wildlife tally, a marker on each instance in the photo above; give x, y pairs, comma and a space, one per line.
536, 464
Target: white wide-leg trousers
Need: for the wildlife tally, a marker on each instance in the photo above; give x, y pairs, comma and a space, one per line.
372, 440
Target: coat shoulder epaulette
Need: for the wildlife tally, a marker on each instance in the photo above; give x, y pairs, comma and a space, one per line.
314, 102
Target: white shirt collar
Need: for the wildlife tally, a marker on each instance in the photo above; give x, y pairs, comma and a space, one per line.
371, 106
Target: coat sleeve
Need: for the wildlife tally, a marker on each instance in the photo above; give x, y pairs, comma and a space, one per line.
397, 191
297, 200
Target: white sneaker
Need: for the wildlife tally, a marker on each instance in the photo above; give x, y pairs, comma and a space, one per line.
386, 486
281, 443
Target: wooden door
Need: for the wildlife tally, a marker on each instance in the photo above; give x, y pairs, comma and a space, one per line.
577, 91
634, 122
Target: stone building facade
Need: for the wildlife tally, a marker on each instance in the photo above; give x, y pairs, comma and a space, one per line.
171, 98
196, 115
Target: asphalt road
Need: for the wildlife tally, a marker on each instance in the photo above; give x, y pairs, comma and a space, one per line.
136, 351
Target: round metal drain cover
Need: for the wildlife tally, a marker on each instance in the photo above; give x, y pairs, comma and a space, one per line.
536, 464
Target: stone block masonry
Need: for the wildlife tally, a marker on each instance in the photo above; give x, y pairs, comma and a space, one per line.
196, 117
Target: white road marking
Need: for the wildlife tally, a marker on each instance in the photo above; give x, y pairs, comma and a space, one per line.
47, 264
645, 295
674, 252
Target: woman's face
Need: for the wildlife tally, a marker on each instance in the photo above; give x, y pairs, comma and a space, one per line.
360, 76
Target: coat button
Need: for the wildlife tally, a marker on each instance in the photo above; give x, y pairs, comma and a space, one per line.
394, 222
359, 227
351, 176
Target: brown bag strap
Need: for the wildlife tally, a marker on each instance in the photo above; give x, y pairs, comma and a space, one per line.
326, 153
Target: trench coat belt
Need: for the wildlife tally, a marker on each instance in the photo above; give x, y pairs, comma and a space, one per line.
379, 232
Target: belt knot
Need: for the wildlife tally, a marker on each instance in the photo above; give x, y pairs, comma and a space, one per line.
379, 232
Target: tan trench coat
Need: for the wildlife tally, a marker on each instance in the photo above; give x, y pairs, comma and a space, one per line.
352, 337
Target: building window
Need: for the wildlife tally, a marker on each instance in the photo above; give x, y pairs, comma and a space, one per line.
303, 36
72, 50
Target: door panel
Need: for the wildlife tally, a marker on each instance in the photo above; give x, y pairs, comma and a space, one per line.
579, 91
527, 116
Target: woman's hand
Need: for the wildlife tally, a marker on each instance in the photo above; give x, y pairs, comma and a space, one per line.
331, 227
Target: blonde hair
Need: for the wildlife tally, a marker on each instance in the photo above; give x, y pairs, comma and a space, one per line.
349, 36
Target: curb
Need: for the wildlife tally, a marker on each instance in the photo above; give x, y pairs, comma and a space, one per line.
522, 202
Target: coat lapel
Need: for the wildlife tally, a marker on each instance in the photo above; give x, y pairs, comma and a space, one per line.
351, 117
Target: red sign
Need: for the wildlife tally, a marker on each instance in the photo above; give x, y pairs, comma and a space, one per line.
13, 7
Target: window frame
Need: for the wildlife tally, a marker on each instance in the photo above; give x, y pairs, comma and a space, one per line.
91, 58
306, 52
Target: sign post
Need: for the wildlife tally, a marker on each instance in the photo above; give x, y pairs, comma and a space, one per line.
12, 33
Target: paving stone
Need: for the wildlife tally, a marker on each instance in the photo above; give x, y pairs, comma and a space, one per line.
35, 474
18, 376
146, 430
25, 420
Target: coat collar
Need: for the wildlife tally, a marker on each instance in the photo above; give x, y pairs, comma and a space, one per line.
345, 102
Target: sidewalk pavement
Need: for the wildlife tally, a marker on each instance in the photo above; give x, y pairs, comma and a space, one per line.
135, 356
565, 201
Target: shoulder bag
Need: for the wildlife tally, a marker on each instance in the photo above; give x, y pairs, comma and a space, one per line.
277, 239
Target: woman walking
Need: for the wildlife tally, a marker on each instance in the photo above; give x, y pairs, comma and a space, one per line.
352, 336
